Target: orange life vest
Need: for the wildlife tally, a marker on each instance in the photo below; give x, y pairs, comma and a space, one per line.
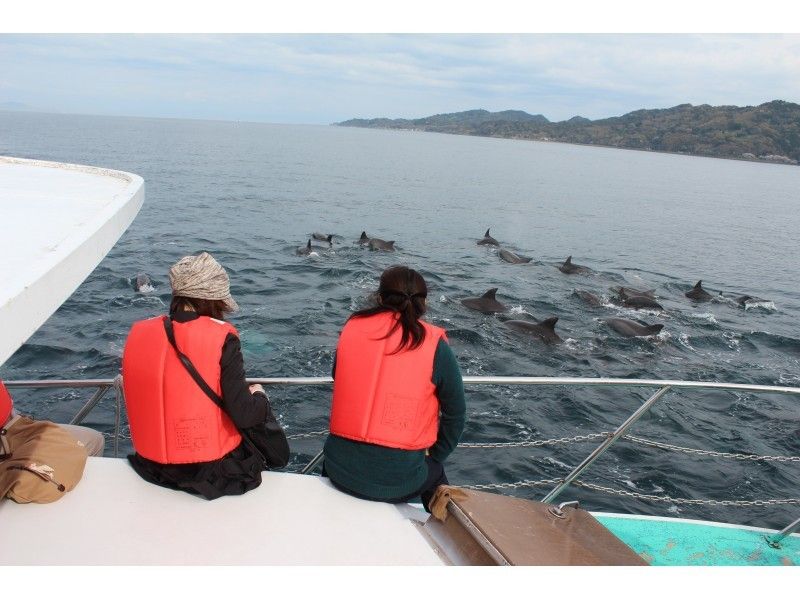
171, 419
381, 397
5, 404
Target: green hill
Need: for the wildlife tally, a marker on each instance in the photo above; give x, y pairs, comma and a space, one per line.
769, 132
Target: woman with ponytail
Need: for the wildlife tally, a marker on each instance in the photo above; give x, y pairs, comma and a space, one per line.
398, 399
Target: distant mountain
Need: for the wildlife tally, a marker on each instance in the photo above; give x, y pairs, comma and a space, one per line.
769, 132
454, 122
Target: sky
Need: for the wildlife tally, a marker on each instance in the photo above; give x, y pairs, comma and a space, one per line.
325, 78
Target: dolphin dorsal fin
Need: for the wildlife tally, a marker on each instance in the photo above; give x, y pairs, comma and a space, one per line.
308, 245
490, 294
486, 234
549, 323
655, 328
697, 286
364, 234
390, 243
568, 260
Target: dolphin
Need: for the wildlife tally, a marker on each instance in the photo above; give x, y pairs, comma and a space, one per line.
513, 258
633, 328
569, 268
589, 298
381, 245
363, 239
142, 283
544, 330
634, 292
698, 293
307, 250
488, 239
322, 237
747, 300
638, 301
641, 303
486, 303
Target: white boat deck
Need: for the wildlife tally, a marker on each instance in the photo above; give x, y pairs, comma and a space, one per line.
58, 222
113, 517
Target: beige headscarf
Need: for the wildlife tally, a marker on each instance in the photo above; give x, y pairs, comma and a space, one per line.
201, 277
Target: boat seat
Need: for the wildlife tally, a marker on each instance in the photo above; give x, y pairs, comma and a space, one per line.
491, 529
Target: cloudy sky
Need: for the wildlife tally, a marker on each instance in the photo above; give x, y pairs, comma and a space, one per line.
293, 78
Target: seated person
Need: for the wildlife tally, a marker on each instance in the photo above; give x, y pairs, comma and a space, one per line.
398, 398
190, 428
90, 439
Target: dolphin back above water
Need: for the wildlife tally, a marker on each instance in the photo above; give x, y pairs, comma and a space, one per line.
488, 239
142, 283
589, 298
307, 250
486, 303
513, 258
698, 293
323, 237
630, 292
381, 245
748, 301
631, 328
569, 268
544, 330
638, 301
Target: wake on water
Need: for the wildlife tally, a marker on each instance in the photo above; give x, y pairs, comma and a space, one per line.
764, 305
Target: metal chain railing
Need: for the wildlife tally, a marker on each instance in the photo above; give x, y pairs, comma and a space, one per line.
488, 445
640, 495
693, 451
306, 435
529, 443
596, 436
608, 437
512, 485
688, 501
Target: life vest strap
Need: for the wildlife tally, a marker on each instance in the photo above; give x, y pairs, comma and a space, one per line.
187, 363
198, 378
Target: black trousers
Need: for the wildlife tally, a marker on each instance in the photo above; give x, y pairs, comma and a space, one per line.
436, 477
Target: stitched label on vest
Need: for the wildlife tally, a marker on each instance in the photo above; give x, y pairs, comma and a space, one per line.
400, 412
191, 434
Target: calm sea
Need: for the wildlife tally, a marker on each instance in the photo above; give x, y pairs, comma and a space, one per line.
251, 193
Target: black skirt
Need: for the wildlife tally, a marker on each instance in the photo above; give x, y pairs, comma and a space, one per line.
236, 473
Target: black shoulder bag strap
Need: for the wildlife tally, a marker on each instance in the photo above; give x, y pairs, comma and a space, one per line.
187, 363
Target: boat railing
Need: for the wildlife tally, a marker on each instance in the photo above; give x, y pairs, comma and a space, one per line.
662, 387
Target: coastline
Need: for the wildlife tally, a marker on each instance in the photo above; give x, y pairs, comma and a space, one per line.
616, 147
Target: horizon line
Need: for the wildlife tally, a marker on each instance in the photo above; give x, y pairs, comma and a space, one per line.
266, 122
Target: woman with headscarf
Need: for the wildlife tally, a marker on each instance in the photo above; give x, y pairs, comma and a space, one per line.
190, 409
398, 406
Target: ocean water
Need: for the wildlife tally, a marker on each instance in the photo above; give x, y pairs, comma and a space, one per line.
252, 193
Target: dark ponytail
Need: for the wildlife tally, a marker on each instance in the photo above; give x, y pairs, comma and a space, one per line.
402, 291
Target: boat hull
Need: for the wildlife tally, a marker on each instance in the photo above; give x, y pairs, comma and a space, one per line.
673, 541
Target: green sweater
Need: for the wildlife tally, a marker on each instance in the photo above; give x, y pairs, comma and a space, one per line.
385, 473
